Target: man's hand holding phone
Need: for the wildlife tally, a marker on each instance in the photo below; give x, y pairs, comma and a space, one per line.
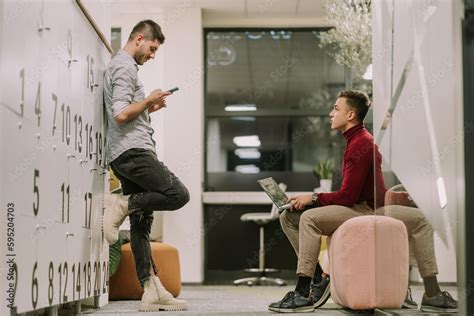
158, 99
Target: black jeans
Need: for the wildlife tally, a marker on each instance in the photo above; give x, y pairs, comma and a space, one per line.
152, 187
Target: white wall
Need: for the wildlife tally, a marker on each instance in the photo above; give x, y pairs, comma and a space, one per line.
179, 129
47, 146
183, 131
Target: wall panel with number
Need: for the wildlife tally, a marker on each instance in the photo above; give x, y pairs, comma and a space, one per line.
52, 154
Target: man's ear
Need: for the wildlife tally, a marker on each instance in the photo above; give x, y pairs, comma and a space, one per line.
138, 39
351, 116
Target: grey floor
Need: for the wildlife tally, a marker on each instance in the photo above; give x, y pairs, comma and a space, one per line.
232, 300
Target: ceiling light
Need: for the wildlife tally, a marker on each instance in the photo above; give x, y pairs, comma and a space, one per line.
222, 56
443, 199
247, 169
254, 36
247, 141
240, 107
244, 118
276, 35
248, 153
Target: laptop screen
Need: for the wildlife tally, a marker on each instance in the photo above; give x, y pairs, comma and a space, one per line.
276, 194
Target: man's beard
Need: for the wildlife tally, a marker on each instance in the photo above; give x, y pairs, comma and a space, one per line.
140, 59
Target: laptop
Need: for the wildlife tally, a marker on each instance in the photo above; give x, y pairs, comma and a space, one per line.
276, 194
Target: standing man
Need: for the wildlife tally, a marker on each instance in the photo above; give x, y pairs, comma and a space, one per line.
314, 215
147, 184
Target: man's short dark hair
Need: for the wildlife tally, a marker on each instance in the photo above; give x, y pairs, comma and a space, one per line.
151, 31
358, 101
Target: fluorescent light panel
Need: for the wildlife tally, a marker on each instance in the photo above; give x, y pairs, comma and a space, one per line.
247, 169
247, 141
244, 118
248, 153
240, 107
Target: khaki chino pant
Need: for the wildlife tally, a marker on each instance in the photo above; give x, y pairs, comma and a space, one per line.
304, 231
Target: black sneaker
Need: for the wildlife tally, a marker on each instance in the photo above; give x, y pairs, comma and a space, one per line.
320, 292
442, 302
293, 302
409, 303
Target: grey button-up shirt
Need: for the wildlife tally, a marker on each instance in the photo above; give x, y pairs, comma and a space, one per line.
121, 88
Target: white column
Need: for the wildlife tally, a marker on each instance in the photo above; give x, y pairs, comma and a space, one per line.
182, 130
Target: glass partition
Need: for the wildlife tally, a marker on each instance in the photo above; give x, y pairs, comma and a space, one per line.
268, 96
418, 131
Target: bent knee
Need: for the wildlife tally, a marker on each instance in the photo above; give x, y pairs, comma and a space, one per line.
423, 222
306, 217
288, 218
185, 197
181, 198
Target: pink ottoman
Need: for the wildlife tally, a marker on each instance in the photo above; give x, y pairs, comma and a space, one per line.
368, 263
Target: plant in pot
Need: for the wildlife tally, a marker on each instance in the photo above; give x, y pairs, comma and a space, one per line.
324, 170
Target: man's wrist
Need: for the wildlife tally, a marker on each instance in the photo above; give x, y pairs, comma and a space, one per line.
148, 103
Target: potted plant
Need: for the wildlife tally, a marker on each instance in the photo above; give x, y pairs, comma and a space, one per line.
324, 170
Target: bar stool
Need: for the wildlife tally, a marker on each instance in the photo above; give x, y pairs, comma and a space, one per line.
261, 219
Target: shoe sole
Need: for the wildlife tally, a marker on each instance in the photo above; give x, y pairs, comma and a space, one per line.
162, 307
324, 298
304, 309
409, 306
434, 309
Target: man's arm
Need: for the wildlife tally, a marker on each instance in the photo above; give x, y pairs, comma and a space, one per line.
133, 110
123, 92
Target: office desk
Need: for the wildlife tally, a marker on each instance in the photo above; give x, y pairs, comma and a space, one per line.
241, 197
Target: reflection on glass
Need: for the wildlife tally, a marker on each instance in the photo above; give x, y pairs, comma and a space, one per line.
416, 132
270, 70
268, 96
270, 143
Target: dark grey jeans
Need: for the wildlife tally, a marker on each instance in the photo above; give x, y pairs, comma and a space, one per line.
152, 187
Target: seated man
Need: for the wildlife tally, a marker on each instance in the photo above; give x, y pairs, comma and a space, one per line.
314, 215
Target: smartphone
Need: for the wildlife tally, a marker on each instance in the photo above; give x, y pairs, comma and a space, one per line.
173, 89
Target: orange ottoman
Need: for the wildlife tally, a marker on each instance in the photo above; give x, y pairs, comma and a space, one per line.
368, 263
124, 285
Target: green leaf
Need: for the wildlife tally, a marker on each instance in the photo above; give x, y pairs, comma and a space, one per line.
324, 169
115, 254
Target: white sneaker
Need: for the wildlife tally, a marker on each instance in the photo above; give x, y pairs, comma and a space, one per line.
157, 298
115, 212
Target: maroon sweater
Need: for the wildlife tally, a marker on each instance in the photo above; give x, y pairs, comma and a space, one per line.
358, 172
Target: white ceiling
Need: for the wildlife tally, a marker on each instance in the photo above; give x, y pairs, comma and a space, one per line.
279, 73
237, 12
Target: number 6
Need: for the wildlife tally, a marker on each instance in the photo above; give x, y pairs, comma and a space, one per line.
34, 287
